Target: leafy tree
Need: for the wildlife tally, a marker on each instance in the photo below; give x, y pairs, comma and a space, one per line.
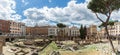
51, 36
110, 23
83, 32
105, 7
61, 26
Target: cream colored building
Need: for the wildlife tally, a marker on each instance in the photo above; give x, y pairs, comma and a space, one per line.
115, 29
92, 30
74, 31
61, 33
23, 29
101, 33
52, 31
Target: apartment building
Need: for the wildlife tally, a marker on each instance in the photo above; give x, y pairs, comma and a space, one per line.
115, 29
17, 28
29, 30
67, 31
37, 30
92, 30
23, 29
74, 31
41, 30
101, 33
52, 31
4, 27
12, 28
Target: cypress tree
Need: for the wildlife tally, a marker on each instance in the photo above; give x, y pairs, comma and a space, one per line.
85, 32
81, 32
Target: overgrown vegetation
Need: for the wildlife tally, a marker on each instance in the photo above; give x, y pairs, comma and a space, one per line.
51, 47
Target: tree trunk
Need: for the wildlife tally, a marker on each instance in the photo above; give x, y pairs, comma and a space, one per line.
106, 29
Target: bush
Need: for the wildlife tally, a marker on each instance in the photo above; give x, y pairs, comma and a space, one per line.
51, 36
34, 53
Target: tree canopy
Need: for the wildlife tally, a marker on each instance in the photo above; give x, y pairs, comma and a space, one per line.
83, 32
61, 25
104, 6
110, 23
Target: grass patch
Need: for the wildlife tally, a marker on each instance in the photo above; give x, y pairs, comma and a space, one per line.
51, 47
88, 48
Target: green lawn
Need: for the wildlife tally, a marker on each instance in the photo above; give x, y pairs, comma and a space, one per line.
51, 47
92, 49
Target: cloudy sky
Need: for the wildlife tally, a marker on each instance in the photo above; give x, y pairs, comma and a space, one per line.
50, 12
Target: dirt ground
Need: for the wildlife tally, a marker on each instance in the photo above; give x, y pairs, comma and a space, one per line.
81, 53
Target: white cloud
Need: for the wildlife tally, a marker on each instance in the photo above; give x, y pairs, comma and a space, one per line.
7, 10
16, 17
116, 15
30, 22
25, 2
73, 13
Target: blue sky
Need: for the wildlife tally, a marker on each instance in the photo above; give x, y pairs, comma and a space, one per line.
50, 12
22, 5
